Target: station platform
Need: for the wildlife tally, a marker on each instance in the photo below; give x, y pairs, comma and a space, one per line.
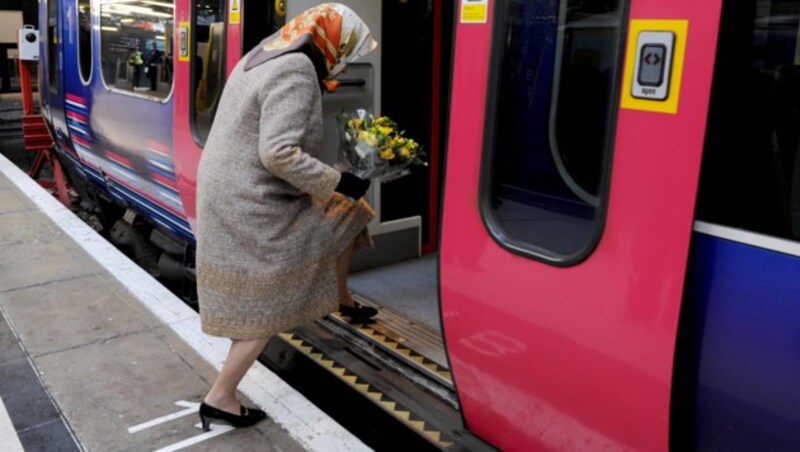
97, 355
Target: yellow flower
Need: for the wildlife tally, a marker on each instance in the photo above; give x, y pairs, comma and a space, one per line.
388, 154
404, 152
355, 123
385, 130
369, 138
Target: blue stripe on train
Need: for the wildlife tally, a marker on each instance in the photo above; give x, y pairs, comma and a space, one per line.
744, 339
153, 208
82, 110
157, 213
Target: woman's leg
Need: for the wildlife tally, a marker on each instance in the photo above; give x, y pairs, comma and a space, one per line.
348, 306
342, 269
241, 356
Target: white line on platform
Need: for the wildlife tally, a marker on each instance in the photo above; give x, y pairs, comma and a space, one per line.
8, 436
216, 430
191, 408
305, 423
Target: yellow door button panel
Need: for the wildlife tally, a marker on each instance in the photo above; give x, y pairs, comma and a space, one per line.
654, 65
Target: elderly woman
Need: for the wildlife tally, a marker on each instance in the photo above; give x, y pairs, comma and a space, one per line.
276, 227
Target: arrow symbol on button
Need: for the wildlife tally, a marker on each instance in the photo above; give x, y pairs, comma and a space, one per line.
652, 58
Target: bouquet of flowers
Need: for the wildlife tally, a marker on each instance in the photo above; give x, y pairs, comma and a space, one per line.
373, 148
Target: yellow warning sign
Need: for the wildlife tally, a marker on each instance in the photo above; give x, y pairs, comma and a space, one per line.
234, 14
474, 11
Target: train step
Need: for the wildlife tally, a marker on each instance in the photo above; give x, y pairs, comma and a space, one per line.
385, 402
407, 341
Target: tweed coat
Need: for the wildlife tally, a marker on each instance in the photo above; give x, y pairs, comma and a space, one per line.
269, 224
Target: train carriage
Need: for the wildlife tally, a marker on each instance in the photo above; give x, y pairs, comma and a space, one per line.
604, 251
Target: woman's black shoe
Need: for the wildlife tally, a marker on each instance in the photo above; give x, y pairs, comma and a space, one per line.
358, 312
250, 416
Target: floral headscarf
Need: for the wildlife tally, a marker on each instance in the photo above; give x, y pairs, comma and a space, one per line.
331, 34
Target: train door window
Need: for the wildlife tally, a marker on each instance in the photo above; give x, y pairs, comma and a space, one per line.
136, 52
208, 70
750, 178
85, 39
261, 19
52, 47
550, 125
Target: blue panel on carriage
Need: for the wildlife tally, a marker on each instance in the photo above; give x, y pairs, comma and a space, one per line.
744, 304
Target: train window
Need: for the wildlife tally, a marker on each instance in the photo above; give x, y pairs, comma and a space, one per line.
85, 39
208, 71
136, 45
262, 19
550, 125
52, 47
750, 178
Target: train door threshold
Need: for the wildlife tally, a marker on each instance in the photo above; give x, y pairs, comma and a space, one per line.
371, 380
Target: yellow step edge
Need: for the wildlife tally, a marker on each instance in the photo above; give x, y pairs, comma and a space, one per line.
350, 379
435, 436
327, 363
389, 405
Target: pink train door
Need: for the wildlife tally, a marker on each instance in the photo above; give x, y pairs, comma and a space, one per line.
210, 37
207, 39
574, 153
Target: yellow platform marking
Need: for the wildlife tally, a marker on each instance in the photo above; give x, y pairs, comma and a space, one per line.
388, 405
669, 105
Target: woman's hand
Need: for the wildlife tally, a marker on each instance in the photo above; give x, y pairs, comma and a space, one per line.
352, 186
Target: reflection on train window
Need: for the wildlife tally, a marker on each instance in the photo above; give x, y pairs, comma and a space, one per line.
85, 39
209, 63
52, 46
136, 45
544, 185
750, 177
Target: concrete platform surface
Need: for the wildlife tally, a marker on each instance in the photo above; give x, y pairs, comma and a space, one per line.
96, 355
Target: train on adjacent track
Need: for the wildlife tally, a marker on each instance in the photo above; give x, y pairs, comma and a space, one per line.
613, 200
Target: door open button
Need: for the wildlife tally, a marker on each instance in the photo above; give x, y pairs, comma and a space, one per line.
653, 65
651, 71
